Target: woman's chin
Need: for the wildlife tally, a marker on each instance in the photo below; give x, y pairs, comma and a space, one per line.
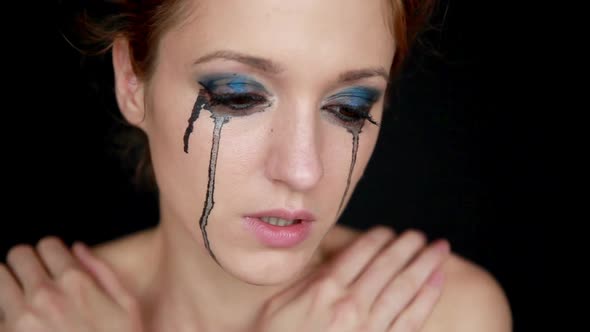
267, 269
269, 281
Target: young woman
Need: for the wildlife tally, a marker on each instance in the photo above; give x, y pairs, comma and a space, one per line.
261, 117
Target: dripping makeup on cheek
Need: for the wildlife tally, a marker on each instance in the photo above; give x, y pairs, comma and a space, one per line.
225, 96
350, 109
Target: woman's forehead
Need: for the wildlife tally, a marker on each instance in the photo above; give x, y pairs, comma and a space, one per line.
308, 33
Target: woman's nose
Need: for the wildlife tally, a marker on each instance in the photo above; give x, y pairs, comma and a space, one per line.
294, 155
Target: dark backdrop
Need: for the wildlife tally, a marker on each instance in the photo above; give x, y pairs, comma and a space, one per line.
457, 156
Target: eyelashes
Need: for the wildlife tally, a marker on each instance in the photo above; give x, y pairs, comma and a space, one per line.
245, 102
352, 106
239, 95
350, 114
238, 101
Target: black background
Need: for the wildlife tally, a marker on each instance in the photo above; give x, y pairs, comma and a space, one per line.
459, 155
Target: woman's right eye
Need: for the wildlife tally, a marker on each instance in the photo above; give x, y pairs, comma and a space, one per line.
238, 101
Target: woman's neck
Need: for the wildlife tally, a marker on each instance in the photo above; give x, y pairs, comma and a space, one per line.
181, 288
189, 287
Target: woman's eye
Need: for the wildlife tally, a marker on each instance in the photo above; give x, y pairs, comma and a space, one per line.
348, 114
238, 101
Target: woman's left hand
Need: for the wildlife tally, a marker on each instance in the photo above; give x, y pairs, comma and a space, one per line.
51, 290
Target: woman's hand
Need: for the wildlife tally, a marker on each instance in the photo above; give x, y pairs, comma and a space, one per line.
378, 284
50, 291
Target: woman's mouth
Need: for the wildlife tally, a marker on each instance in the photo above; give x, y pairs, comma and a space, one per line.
275, 221
279, 228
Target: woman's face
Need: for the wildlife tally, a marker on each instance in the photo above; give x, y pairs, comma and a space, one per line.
261, 116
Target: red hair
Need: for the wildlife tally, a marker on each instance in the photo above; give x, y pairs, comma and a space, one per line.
143, 22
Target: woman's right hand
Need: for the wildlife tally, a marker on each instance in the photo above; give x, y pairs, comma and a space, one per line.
52, 290
379, 284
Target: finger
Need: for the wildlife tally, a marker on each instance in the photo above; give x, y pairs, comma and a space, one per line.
83, 291
104, 276
348, 265
55, 255
11, 295
416, 314
27, 267
404, 287
388, 264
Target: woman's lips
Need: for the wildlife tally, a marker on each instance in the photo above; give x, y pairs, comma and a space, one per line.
280, 236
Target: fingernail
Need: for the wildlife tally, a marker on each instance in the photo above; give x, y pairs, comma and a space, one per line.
436, 279
79, 247
443, 246
380, 232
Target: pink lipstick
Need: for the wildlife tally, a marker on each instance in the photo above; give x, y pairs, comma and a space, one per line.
279, 228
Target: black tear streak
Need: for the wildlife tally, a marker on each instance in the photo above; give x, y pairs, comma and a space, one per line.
200, 104
209, 201
355, 145
203, 103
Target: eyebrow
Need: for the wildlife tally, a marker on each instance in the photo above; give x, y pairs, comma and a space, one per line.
355, 75
252, 61
272, 67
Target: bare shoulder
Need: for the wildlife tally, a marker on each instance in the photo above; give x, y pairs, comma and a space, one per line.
127, 257
472, 300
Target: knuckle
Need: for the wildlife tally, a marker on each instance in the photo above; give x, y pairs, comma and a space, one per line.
348, 308
26, 321
326, 288
408, 283
408, 323
366, 244
385, 261
73, 278
346, 314
324, 284
43, 295
388, 300
404, 288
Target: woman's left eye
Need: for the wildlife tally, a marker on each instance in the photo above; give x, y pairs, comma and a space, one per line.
348, 113
239, 101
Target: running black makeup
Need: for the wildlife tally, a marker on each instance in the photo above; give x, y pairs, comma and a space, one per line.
350, 109
225, 96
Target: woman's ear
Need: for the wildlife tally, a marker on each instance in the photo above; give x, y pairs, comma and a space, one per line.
128, 87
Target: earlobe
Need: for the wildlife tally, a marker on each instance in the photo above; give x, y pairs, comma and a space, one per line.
128, 87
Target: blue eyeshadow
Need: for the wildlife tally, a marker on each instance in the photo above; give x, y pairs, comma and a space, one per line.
357, 96
231, 83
